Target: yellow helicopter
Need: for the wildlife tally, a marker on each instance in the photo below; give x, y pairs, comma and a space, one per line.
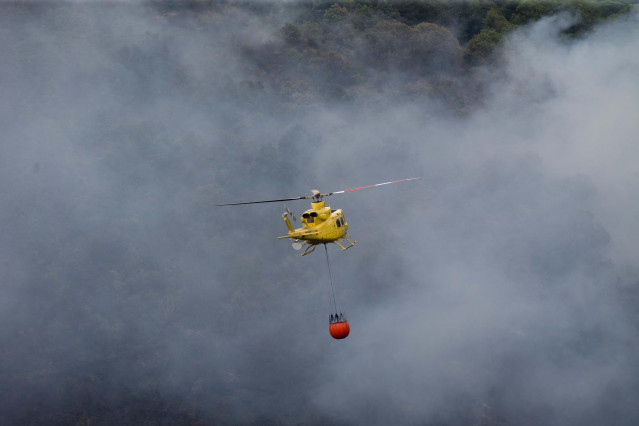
320, 223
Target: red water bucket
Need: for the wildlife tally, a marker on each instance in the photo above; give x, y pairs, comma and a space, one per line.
339, 330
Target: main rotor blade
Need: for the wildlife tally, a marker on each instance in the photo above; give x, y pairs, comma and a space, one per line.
264, 201
316, 194
372, 186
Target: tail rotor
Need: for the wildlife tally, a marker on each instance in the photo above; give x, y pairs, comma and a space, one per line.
288, 212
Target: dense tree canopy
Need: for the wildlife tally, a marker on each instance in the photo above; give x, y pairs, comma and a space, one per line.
349, 47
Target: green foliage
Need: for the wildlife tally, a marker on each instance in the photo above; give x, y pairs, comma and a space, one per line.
335, 13
482, 46
591, 11
529, 10
343, 50
495, 20
291, 34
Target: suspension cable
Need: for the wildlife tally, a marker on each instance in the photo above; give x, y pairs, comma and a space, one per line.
330, 276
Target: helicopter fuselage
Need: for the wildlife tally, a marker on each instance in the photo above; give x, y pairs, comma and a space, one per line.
320, 225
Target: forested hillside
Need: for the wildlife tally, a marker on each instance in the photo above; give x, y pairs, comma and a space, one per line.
500, 290
348, 50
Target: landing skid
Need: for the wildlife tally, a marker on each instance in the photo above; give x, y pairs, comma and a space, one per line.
310, 248
345, 238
